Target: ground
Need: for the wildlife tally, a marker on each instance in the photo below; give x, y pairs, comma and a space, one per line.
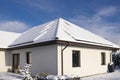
10, 76
109, 76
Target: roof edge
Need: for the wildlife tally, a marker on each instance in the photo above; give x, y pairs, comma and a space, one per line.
61, 42
3, 49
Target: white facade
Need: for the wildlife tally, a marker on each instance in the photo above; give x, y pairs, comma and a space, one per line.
5, 61
44, 58
47, 59
90, 61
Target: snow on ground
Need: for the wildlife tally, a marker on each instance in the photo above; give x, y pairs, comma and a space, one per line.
109, 76
10, 76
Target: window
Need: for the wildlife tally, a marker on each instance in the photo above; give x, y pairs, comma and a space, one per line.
103, 58
28, 57
75, 58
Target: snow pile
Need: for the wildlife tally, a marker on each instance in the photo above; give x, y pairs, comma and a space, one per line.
49, 77
10, 76
110, 76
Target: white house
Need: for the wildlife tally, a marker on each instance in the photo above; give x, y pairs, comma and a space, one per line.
59, 47
6, 38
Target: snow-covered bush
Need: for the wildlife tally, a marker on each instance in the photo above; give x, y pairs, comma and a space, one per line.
58, 77
116, 59
26, 72
52, 77
44, 76
111, 67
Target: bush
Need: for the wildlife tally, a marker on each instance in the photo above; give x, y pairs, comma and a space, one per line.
111, 67
116, 59
44, 76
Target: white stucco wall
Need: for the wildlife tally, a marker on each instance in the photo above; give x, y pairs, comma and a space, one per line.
47, 59
5, 60
90, 61
44, 58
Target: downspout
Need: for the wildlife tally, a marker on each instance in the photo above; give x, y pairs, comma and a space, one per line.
62, 57
111, 57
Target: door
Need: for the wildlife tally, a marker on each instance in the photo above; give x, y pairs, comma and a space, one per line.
16, 62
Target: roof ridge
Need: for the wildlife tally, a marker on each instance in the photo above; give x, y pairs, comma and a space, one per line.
57, 29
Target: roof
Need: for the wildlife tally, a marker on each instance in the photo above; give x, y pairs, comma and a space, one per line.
6, 38
60, 29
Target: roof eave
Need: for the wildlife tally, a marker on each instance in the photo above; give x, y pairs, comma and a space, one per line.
62, 43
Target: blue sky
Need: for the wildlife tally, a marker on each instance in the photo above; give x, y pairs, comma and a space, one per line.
101, 17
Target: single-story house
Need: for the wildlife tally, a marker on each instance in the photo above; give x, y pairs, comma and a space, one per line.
57, 47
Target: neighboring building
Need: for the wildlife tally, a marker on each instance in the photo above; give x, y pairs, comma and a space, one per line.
60, 47
6, 38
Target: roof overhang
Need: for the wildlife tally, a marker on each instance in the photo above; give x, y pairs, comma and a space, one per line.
3, 49
61, 42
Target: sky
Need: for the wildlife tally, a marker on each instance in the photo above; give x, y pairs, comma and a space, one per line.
101, 17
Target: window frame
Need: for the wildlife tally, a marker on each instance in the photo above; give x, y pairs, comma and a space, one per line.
28, 58
78, 59
103, 58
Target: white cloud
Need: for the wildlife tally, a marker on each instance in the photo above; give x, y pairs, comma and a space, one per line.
107, 11
13, 26
98, 25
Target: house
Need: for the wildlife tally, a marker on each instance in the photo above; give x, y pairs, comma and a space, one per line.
60, 47
6, 38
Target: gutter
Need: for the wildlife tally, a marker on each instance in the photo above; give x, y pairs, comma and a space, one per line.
62, 57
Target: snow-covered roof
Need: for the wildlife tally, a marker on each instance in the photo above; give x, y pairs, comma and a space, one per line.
62, 30
6, 38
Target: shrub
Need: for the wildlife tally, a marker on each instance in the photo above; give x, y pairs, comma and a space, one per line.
44, 76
